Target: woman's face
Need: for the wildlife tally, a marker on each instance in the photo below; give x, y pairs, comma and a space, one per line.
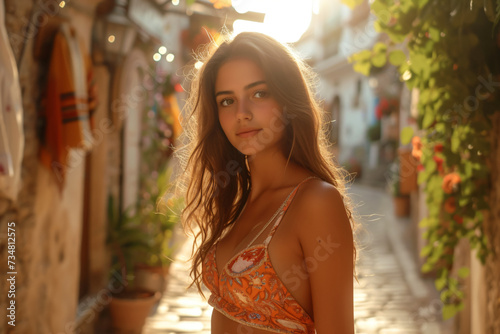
251, 118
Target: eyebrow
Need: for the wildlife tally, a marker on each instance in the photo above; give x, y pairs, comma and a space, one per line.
253, 84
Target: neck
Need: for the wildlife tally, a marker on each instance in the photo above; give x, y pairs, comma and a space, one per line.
268, 171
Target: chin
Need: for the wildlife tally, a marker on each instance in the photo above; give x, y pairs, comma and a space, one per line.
256, 145
248, 150
252, 150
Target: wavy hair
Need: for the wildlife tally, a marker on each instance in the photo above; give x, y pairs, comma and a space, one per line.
213, 177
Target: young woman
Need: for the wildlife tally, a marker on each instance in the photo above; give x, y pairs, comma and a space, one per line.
274, 241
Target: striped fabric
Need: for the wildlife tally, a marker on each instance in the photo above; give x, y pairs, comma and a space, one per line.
68, 105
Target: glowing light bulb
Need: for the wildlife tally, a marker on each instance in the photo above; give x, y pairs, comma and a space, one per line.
162, 50
170, 57
157, 57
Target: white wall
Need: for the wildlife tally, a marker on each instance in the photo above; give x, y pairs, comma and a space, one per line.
354, 120
337, 78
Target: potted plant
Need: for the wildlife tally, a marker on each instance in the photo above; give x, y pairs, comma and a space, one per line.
386, 106
353, 167
130, 305
159, 216
407, 171
401, 201
156, 214
374, 131
373, 134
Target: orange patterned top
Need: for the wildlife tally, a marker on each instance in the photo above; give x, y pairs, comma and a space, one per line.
249, 291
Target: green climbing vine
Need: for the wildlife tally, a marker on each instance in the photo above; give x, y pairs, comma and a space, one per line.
452, 58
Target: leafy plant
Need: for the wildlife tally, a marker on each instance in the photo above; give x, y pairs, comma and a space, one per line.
393, 179
374, 131
142, 233
159, 222
125, 238
156, 215
453, 62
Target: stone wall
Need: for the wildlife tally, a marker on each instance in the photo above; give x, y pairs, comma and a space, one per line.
492, 225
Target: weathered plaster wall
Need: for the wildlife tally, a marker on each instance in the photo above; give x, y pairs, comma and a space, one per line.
99, 184
22, 213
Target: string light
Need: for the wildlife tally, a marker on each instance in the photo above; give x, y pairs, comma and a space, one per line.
170, 57
162, 50
157, 57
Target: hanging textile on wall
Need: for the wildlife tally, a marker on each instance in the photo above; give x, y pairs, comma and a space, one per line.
69, 103
11, 117
173, 113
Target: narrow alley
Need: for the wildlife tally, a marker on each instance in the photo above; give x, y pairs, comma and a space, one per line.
118, 116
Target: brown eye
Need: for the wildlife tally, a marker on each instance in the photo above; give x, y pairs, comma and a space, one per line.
261, 94
226, 102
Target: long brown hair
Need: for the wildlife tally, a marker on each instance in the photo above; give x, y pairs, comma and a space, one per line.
214, 179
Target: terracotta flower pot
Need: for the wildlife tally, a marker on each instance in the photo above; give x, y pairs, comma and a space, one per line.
130, 309
401, 206
407, 171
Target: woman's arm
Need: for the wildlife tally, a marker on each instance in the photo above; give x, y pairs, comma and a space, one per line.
326, 238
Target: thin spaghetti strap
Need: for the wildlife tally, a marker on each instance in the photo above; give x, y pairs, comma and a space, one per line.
285, 207
289, 200
279, 212
280, 209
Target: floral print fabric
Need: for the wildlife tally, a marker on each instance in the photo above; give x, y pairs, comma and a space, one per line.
250, 292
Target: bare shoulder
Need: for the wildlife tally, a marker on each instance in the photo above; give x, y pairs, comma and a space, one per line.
320, 208
326, 240
316, 189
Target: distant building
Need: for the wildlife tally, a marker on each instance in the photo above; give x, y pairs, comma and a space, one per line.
350, 98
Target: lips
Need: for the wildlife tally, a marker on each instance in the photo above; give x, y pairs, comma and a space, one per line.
247, 132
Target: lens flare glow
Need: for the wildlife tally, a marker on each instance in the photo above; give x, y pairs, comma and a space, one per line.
198, 65
285, 20
316, 6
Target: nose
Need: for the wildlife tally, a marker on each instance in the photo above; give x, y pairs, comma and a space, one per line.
243, 111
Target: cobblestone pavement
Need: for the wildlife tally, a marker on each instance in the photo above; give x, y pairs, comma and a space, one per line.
384, 302
180, 310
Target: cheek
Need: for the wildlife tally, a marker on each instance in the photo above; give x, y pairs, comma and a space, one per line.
225, 122
275, 118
